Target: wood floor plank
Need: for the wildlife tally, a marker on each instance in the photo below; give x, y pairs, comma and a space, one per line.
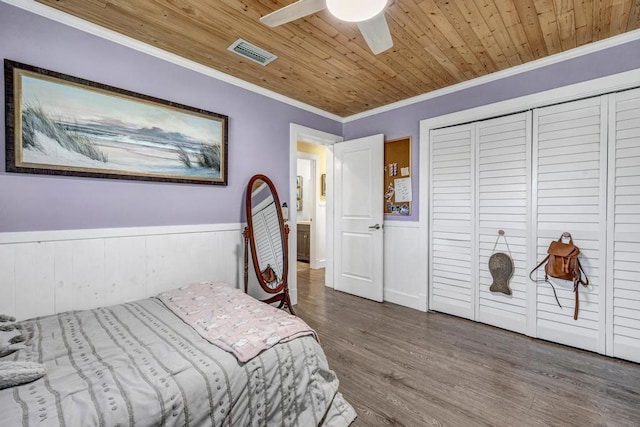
399, 366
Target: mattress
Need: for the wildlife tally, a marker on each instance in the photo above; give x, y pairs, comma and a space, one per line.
139, 364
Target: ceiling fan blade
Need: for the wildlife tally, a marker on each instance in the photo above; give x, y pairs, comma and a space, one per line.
376, 33
294, 11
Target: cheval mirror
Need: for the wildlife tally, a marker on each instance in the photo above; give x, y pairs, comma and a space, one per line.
267, 235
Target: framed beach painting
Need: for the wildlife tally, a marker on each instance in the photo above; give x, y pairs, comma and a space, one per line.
62, 125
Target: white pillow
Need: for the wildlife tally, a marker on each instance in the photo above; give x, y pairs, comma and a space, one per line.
16, 373
8, 342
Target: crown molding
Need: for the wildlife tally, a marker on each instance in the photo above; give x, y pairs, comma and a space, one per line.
518, 69
96, 30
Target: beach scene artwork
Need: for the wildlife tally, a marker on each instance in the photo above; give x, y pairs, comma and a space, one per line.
66, 126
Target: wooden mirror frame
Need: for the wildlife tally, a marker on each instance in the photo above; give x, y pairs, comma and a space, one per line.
282, 288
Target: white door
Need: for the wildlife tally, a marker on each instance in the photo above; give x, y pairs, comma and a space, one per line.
502, 193
570, 194
623, 289
452, 256
479, 176
358, 215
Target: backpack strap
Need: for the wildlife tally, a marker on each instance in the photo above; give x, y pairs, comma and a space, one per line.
537, 267
576, 286
566, 235
554, 290
576, 308
546, 278
586, 281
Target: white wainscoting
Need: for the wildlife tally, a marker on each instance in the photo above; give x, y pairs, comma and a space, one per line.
401, 280
48, 272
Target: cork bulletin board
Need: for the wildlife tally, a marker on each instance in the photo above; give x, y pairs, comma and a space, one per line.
397, 176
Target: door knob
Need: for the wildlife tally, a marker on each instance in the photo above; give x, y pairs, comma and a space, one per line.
374, 227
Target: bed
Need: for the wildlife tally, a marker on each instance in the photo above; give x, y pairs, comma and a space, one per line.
141, 364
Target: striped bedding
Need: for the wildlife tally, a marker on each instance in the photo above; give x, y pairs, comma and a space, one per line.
138, 364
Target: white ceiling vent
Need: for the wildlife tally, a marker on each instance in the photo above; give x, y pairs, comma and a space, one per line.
252, 52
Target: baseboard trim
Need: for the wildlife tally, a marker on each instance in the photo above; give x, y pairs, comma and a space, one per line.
404, 299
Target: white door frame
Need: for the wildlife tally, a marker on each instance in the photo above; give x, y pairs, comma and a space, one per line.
313, 228
314, 136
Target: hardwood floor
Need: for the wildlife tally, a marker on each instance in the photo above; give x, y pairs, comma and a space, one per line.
399, 366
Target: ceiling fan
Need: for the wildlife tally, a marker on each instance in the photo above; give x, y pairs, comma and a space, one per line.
368, 14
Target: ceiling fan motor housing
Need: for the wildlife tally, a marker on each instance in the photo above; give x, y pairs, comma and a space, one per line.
355, 10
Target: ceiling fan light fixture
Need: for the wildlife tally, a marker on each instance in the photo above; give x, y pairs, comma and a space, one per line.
355, 10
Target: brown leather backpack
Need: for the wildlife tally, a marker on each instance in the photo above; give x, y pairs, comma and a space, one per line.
269, 275
563, 263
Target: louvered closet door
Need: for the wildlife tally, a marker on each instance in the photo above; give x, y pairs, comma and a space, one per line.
503, 170
624, 227
452, 274
569, 178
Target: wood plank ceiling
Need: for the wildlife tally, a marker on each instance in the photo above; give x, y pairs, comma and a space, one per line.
325, 63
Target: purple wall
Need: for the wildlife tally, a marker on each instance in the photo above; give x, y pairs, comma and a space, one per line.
406, 121
258, 137
258, 129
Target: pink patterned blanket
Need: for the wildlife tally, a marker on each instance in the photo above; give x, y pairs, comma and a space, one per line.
233, 320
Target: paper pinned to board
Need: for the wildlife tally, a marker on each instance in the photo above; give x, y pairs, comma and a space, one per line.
404, 171
402, 190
